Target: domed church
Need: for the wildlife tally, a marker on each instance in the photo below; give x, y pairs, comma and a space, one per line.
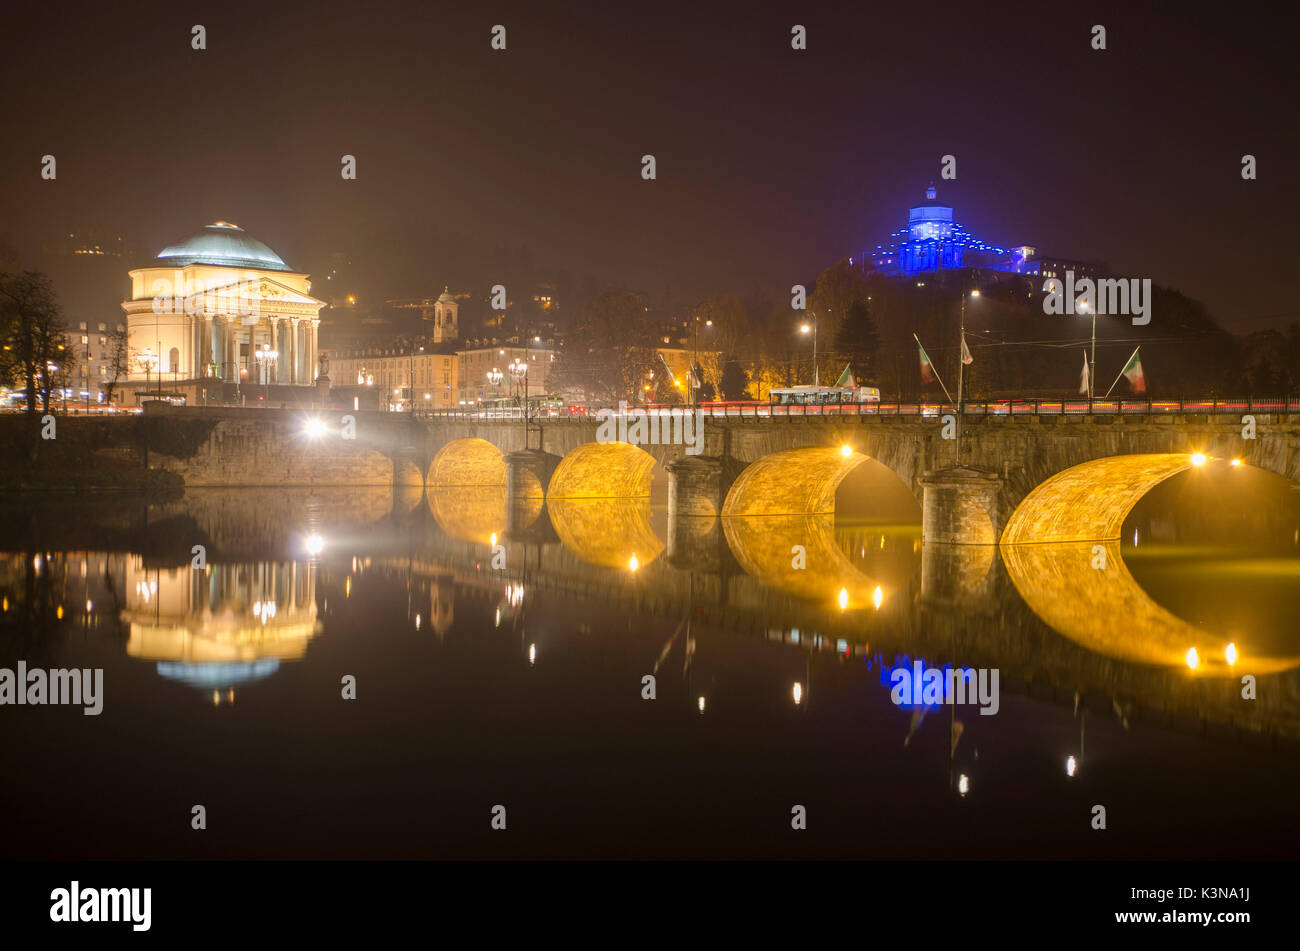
218, 317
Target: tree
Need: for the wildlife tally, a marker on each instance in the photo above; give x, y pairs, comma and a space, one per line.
735, 381
35, 344
858, 341
607, 355
119, 362
836, 289
723, 323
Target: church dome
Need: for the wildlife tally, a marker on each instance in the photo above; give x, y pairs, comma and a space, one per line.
224, 245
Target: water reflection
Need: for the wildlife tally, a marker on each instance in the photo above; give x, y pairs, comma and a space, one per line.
800, 556
857, 589
221, 626
613, 533
1087, 593
471, 513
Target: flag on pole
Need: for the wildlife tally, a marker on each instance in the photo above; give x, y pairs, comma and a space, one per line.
846, 378
966, 358
927, 367
1083, 379
1133, 370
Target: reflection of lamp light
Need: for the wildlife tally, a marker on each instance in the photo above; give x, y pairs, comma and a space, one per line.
877, 597
633, 564
1229, 653
314, 544
963, 784
844, 598
532, 653
1071, 767
701, 704
797, 693
1193, 659
846, 450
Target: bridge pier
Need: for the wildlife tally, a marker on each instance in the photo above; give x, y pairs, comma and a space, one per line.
696, 487
960, 507
528, 471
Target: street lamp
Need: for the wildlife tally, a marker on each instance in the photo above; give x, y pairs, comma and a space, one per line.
518, 374
147, 360
695, 360
961, 366
1083, 308
264, 357
805, 328
518, 371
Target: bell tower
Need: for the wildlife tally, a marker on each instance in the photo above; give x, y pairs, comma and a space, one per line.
446, 323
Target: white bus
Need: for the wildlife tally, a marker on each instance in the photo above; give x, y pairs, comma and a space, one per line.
823, 395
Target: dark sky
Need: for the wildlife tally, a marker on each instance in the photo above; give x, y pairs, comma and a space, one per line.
772, 163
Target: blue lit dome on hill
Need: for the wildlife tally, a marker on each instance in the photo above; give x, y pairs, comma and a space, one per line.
224, 245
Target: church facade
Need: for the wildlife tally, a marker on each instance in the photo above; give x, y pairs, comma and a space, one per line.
220, 317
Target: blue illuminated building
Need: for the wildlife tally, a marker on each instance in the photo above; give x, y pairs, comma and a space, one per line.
932, 241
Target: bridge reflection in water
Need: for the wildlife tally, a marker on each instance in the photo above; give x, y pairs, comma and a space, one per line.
1085, 592
1037, 612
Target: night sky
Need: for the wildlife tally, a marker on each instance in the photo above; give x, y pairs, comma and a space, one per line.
772, 163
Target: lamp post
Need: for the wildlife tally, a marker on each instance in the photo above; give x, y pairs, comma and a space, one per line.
264, 356
147, 360
1092, 360
519, 375
494, 377
805, 329
961, 366
695, 361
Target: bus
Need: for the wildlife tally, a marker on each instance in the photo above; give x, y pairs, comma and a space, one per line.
823, 395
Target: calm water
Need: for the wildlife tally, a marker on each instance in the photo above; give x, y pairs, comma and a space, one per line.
522, 686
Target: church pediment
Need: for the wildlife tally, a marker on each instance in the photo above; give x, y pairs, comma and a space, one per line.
265, 289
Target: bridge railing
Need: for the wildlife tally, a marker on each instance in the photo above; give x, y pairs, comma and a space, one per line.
749, 409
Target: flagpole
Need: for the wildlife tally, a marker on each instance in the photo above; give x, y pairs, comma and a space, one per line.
1121, 372
933, 369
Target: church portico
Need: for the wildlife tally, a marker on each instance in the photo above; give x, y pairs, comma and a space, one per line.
219, 314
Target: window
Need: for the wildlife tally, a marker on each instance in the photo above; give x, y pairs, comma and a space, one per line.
82, 325
173, 360
84, 338
101, 328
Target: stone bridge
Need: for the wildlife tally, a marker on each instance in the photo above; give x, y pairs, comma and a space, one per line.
1019, 479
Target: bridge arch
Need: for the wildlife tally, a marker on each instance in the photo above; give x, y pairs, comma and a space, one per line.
792, 482
603, 470
1106, 611
468, 461
765, 547
1089, 501
610, 532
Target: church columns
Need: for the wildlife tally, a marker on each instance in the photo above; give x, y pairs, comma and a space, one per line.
275, 345
293, 348
314, 360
